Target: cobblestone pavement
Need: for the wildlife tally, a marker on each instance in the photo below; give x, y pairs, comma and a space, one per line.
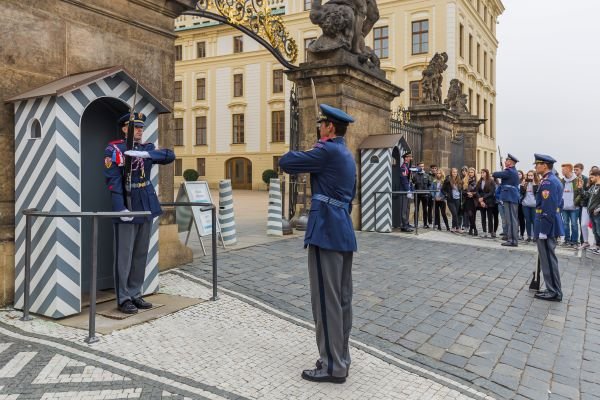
460, 309
234, 348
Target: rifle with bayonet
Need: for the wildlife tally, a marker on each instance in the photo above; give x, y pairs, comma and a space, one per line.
129, 146
314, 94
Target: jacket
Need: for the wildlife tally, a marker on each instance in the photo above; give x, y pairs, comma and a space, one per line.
548, 207
509, 188
594, 198
404, 177
332, 176
143, 196
421, 181
488, 193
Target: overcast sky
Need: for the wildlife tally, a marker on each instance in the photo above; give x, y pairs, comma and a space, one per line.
548, 80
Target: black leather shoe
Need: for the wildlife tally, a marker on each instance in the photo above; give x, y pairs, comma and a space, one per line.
406, 230
426, 227
141, 303
509, 244
548, 296
318, 375
319, 365
128, 308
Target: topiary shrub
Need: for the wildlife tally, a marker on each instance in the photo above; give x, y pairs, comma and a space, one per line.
190, 175
269, 174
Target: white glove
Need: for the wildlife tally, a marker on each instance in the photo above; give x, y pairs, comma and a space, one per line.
543, 236
138, 154
126, 219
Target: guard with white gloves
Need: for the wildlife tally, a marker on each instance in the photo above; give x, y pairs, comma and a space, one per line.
548, 226
132, 235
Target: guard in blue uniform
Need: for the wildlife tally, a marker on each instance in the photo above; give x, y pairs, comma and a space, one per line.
548, 226
510, 196
132, 235
330, 240
405, 179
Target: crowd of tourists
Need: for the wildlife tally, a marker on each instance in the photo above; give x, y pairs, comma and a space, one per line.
456, 199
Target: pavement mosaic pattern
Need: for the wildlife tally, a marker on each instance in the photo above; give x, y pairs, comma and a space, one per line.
460, 309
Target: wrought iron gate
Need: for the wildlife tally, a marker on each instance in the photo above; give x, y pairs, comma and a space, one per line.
413, 133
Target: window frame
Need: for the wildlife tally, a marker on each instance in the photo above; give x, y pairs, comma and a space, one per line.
203, 43
278, 126
423, 45
198, 86
201, 166
277, 81
383, 51
202, 135
235, 123
238, 44
461, 45
178, 92
178, 167
178, 52
414, 100
179, 130
238, 87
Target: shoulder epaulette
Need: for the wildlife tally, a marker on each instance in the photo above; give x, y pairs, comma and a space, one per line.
318, 145
119, 141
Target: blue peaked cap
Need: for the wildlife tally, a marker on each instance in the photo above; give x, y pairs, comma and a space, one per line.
139, 119
511, 157
329, 113
543, 158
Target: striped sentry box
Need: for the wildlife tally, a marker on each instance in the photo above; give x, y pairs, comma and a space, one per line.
56, 249
274, 222
226, 215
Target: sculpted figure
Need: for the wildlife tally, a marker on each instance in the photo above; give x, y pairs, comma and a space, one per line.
456, 100
433, 78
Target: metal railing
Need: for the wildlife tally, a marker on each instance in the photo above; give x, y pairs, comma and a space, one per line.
29, 216
32, 212
415, 193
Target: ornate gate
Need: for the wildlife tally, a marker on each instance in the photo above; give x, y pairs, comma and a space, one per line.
413, 133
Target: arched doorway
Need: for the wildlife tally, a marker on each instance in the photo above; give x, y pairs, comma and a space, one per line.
239, 170
98, 127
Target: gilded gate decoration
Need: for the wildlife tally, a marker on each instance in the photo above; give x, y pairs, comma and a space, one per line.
254, 18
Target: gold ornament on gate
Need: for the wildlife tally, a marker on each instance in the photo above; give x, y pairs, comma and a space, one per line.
256, 16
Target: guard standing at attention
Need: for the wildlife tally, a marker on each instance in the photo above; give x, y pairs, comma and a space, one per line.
405, 179
548, 226
330, 240
132, 235
510, 196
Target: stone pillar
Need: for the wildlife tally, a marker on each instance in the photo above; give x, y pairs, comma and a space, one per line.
437, 122
342, 82
468, 125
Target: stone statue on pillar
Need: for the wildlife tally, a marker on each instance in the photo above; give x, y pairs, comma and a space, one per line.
431, 83
456, 100
345, 24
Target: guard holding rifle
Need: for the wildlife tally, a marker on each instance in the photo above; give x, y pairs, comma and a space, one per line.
330, 240
132, 190
548, 226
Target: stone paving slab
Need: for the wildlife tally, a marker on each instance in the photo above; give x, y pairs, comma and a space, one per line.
459, 309
225, 349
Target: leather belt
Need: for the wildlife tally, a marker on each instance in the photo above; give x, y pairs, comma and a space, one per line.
329, 200
538, 211
140, 185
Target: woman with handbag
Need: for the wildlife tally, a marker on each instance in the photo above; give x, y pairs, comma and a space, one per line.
452, 188
439, 199
486, 197
470, 200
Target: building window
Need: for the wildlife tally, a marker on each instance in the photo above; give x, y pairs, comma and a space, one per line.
178, 167
492, 71
178, 53
479, 166
485, 14
276, 164
471, 101
381, 42
238, 44
492, 120
470, 50
201, 166
461, 34
478, 51
478, 6
201, 89
238, 85
178, 93
492, 160
201, 49
200, 130
307, 5
485, 117
277, 126
238, 128
485, 64
178, 131
416, 92
478, 110
278, 81
307, 42
420, 37
35, 131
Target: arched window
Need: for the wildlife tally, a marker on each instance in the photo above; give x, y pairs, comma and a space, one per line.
374, 160
35, 131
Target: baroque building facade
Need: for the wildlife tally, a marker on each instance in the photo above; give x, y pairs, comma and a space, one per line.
231, 96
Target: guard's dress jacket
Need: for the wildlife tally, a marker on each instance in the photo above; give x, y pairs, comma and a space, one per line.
332, 175
509, 188
143, 195
404, 177
548, 200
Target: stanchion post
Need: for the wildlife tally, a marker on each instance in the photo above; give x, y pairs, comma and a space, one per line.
375, 212
214, 297
416, 214
92, 322
26, 283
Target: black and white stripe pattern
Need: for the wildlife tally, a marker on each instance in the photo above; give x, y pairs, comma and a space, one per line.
274, 222
48, 178
226, 215
376, 177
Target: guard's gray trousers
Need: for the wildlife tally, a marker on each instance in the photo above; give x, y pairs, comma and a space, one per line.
511, 212
549, 264
131, 243
404, 210
330, 274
